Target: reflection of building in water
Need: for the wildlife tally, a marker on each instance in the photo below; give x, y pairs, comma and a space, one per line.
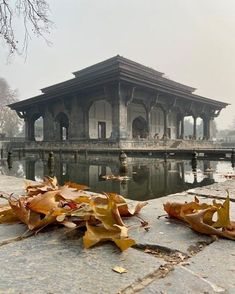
148, 179
30, 170
34, 170
155, 180
17, 170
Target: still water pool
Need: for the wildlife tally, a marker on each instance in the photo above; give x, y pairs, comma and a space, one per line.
148, 178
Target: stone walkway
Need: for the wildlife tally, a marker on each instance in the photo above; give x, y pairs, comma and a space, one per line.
169, 258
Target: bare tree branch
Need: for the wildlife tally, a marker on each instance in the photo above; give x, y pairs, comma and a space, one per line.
32, 14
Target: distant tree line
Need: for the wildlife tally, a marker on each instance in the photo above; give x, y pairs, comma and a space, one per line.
227, 135
10, 124
188, 128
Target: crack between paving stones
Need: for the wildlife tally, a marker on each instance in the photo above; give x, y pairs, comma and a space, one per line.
172, 257
158, 249
140, 284
16, 239
28, 234
214, 287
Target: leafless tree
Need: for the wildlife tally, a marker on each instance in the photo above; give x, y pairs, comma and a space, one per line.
32, 15
10, 123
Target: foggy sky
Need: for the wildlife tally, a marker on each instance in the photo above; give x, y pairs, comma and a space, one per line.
191, 41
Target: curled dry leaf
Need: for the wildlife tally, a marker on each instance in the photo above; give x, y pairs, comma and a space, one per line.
123, 207
46, 203
199, 216
32, 219
229, 230
97, 234
7, 215
106, 211
33, 188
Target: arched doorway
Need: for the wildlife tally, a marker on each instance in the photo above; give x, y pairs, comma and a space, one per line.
188, 127
35, 130
100, 120
139, 128
38, 129
200, 128
62, 126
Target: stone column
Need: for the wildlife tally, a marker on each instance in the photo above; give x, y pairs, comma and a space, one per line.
178, 126
148, 116
115, 119
123, 119
182, 128
119, 117
57, 129
79, 120
86, 122
26, 128
206, 128
29, 129
48, 126
194, 127
75, 127
165, 135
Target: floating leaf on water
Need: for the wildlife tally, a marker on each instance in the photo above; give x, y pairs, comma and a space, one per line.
76, 186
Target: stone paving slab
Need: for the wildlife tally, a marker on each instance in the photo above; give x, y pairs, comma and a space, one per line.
178, 281
53, 262
210, 271
216, 190
166, 232
10, 231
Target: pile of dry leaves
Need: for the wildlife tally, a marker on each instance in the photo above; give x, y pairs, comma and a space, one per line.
209, 219
72, 206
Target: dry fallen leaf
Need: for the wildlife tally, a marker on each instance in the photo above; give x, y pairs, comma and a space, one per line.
97, 234
119, 269
7, 215
199, 216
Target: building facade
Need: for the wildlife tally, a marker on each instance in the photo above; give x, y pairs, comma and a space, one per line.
118, 101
